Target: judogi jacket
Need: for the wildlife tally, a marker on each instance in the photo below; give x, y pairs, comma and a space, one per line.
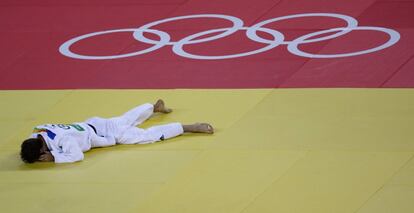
67, 142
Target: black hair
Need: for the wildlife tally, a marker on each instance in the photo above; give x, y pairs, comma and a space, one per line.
30, 151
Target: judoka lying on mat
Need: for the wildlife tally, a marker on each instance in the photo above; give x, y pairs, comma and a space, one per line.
65, 143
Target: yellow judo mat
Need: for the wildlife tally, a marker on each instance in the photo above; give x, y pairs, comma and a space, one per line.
295, 150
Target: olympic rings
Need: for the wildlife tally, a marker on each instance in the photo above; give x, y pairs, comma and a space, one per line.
251, 33
237, 24
64, 48
178, 48
293, 46
351, 23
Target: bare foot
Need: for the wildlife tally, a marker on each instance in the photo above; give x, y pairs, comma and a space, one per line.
199, 128
160, 107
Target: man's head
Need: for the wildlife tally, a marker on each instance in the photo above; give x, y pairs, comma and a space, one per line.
31, 149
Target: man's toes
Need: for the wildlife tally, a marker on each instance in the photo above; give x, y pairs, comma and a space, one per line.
159, 104
210, 129
206, 128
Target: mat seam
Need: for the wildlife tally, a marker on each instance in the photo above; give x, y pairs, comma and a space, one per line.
385, 183
395, 72
306, 152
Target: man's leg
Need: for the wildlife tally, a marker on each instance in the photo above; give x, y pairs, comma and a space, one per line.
110, 127
141, 113
135, 135
199, 128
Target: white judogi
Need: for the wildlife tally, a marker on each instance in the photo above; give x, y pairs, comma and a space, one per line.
68, 142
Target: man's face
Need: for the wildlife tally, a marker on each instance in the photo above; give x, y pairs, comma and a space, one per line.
45, 155
44, 148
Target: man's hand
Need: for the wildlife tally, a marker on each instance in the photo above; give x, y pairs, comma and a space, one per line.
47, 157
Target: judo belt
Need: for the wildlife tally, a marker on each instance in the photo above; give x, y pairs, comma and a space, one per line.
93, 128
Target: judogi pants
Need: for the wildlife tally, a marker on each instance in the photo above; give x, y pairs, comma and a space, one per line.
124, 131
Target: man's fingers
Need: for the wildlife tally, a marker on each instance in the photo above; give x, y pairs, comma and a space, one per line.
42, 157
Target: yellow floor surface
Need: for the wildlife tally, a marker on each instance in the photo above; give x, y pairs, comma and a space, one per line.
296, 150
